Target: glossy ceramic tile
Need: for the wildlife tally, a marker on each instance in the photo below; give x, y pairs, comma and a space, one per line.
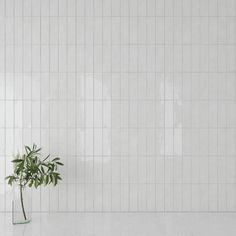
136, 96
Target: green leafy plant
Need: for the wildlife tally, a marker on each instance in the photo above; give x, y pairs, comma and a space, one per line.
31, 171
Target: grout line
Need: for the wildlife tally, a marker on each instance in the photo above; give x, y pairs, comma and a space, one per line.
191, 68
76, 112
102, 119
164, 73
134, 16
93, 105
129, 105
124, 100
199, 66
130, 128
5, 96
153, 156
131, 212
155, 110
49, 112
182, 97
134, 72
138, 140
31, 81
234, 96
226, 112
58, 93
85, 96
146, 94
111, 111
120, 107
217, 116
208, 123
125, 44
173, 108
23, 75
14, 87
40, 100
13, 98
150, 183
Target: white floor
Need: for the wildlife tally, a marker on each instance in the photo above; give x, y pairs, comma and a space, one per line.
122, 224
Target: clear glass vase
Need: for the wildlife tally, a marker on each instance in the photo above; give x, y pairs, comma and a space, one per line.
21, 205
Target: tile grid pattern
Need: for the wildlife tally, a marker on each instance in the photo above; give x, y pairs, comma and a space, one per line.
137, 97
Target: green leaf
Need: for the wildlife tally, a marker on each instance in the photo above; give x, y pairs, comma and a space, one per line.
42, 169
31, 171
34, 146
47, 179
52, 167
31, 183
51, 178
11, 179
27, 149
36, 183
17, 160
55, 181
44, 164
46, 158
41, 179
38, 150
59, 163
56, 159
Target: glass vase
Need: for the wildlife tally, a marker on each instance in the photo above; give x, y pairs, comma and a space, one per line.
21, 205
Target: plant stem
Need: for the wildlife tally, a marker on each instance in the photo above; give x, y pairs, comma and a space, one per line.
22, 203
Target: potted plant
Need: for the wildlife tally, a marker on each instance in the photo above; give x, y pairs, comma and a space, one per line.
30, 170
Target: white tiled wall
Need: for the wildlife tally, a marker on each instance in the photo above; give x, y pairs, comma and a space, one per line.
138, 97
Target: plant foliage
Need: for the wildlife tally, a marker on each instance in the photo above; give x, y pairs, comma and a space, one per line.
30, 170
